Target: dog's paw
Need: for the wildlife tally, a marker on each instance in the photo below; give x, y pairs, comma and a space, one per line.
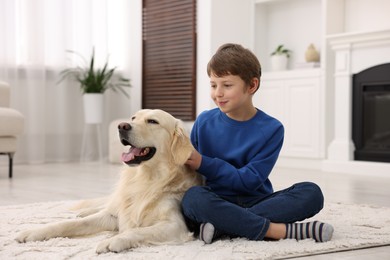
31, 235
114, 244
103, 247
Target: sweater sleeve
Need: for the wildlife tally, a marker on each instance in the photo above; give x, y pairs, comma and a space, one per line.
223, 176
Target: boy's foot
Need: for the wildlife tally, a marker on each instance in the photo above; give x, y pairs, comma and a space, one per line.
320, 232
207, 232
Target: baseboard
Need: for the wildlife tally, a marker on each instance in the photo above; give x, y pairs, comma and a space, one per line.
297, 163
369, 169
362, 168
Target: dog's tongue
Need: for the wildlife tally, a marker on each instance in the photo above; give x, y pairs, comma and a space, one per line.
133, 151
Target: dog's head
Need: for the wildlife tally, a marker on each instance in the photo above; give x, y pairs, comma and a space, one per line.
154, 135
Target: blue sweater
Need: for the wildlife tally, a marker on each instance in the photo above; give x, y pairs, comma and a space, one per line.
237, 156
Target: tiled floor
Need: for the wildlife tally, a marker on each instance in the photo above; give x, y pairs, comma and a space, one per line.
49, 182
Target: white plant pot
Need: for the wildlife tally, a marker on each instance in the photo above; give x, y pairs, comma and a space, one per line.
93, 108
279, 62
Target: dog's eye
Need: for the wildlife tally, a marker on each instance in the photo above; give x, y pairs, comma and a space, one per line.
152, 121
132, 119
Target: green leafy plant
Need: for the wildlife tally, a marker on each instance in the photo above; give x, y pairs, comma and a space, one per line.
280, 50
95, 80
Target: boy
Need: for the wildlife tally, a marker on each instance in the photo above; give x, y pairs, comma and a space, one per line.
237, 146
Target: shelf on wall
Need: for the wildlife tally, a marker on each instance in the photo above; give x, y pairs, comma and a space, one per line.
303, 27
297, 73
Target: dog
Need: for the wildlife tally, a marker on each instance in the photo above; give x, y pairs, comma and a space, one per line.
144, 209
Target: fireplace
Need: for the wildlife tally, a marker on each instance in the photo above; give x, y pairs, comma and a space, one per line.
355, 53
371, 114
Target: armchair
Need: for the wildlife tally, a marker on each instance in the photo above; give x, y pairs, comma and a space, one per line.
11, 125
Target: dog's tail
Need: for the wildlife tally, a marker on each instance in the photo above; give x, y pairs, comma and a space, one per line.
90, 206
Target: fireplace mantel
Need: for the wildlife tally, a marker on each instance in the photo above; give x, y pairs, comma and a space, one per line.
359, 39
353, 52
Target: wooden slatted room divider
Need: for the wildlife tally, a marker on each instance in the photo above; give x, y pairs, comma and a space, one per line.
169, 57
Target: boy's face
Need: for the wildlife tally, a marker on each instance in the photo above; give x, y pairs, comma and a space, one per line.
232, 95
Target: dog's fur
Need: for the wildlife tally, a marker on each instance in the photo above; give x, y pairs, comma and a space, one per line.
145, 207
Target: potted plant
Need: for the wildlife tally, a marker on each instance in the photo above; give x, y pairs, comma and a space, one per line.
279, 58
93, 83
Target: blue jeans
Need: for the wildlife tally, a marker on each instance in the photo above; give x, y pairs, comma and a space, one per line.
250, 217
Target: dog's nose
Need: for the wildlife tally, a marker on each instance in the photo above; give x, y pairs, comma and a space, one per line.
124, 126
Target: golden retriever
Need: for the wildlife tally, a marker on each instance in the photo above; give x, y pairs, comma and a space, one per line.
144, 208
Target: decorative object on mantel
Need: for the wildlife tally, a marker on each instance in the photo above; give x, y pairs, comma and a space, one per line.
311, 54
93, 84
279, 58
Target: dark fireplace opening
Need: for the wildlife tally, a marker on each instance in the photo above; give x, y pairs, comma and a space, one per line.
371, 114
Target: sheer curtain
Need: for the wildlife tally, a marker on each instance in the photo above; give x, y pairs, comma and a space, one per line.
35, 35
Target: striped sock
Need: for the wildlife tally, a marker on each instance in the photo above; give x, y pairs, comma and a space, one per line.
320, 232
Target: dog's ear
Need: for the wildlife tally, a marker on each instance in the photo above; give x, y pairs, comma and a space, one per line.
181, 145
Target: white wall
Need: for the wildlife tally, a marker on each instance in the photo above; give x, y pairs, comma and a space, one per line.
134, 41
204, 52
219, 22
366, 15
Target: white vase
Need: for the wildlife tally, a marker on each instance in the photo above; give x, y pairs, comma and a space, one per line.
93, 108
279, 62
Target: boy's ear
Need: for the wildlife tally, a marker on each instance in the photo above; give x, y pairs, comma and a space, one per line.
254, 86
181, 145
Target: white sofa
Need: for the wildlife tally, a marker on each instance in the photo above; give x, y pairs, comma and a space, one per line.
11, 125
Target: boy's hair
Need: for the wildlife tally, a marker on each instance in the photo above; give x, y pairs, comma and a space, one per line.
233, 59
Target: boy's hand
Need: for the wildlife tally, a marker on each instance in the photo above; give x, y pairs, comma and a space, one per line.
195, 160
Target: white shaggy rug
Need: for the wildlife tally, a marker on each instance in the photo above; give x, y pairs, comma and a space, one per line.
356, 226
